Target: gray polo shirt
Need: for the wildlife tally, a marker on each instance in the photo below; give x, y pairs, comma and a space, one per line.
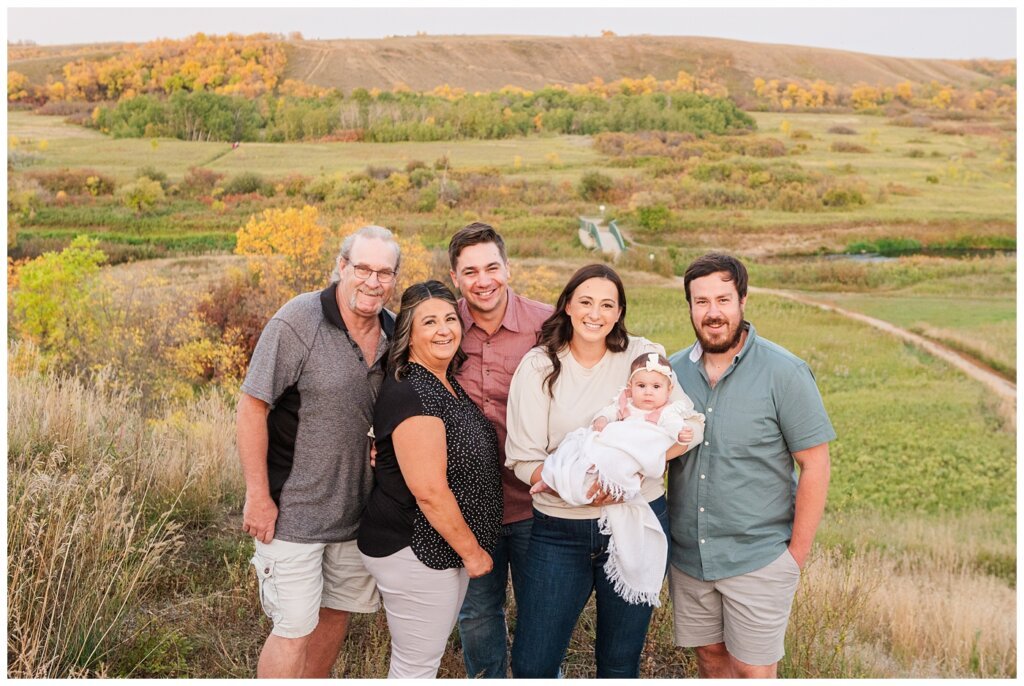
731, 501
321, 392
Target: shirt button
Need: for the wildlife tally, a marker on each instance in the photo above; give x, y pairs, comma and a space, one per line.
702, 509
707, 443
702, 541
711, 409
702, 476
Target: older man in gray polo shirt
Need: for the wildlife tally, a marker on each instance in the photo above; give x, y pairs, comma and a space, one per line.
303, 417
742, 524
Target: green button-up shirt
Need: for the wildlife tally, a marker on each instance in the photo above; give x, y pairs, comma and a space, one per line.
731, 501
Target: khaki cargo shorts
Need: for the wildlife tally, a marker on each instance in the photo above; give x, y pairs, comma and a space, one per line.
748, 613
297, 579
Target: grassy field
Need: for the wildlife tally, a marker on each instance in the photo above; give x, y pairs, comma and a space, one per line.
983, 327
913, 573
913, 479
74, 146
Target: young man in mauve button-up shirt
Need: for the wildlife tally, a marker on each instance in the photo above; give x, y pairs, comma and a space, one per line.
499, 327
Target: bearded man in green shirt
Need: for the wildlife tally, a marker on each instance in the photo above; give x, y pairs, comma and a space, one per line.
742, 523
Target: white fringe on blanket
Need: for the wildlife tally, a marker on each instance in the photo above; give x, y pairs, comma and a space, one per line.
618, 458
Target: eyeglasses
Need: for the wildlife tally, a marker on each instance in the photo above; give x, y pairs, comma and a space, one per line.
363, 272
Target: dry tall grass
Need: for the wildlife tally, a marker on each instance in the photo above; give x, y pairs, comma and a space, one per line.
908, 595
97, 497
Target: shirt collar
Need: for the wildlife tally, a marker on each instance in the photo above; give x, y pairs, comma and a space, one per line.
510, 321
697, 351
329, 304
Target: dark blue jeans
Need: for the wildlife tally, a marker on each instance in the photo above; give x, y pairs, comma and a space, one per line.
482, 617
565, 565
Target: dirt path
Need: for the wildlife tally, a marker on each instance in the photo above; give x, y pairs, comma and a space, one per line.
1005, 390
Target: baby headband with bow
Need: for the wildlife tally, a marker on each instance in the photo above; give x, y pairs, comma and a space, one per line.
653, 365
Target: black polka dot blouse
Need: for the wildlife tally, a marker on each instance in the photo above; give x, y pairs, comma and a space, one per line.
392, 520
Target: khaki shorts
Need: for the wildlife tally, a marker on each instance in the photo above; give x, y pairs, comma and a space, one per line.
748, 613
297, 579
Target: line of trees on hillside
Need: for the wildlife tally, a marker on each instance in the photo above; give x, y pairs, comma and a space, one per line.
388, 117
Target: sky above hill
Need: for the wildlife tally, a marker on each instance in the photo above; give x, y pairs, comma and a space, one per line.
949, 33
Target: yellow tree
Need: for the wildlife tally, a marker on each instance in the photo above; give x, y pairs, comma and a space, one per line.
17, 86
865, 97
289, 245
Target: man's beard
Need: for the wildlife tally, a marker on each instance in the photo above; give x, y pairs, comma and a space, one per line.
714, 348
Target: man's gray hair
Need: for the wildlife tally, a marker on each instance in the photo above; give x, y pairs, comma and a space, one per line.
371, 231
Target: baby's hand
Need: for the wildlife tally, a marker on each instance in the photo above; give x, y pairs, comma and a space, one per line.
685, 436
540, 487
599, 424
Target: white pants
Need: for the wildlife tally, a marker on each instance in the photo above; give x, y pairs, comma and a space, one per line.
422, 605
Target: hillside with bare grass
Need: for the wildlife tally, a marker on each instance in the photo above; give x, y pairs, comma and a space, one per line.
487, 63
490, 62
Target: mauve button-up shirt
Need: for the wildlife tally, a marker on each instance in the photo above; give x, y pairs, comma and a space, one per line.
487, 373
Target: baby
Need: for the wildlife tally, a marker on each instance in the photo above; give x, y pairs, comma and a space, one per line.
645, 398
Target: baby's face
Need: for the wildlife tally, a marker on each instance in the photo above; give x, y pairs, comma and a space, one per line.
649, 390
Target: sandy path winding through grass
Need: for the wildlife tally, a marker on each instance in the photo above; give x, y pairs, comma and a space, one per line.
1005, 390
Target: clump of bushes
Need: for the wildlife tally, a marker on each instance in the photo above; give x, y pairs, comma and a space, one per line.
142, 196
842, 197
595, 186
842, 130
248, 182
75, 181
421, 176
154, 174
294, 185
199, 181
654, 217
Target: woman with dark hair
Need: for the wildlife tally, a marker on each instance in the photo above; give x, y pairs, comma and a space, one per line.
583, 355
435, 510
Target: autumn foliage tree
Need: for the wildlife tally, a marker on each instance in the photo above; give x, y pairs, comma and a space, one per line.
49, 304
288, 245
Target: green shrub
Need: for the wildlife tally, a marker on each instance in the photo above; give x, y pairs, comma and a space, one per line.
915, 153
842, 130
153, 174
595, 186
654, 217
427, 200
842, 197
142, 196
420, 176
248, 182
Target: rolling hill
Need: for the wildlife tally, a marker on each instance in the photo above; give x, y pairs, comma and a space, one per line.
484, 63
